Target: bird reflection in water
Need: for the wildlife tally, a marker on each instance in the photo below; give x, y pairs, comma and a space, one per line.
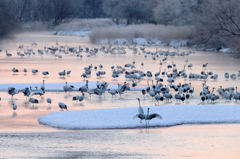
14, 115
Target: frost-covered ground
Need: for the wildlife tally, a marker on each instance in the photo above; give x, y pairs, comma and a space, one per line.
72, 33
123, 117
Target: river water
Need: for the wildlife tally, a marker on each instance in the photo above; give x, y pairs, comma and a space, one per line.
22, 137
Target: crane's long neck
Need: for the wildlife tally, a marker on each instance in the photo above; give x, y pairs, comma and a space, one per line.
212, 91
148, 113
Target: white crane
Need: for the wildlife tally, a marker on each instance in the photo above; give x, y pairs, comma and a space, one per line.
76, 98
25, 70
140, 109
68, 72
190, 65
26, 91
21, 46
14, 106
62, 105
84, 88
134, 84
49, 100
215, 76
191, 91
15, 70
8, 54
147, 117
233, 76
12, 91
177, 97
226, 75
33, 101
167, 96
43, 87
81, 97
205, 65
238, 93
113, 92
34, 71
158, 73
68, 88
37, 92
63, 73
45, 73
158, 98
84, 75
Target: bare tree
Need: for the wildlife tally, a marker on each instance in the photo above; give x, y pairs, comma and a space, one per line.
62, 10
219, 23
133, 11
7, 21
112, 9
176, 12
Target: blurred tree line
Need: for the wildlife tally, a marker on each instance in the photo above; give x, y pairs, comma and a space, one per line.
168, 12
217, 22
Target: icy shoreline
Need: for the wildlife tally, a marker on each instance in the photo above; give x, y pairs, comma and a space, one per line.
121, 118
59, 86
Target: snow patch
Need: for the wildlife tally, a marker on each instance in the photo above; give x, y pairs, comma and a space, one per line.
226, 50
123, 117
141, 41
72, 33
103, 41
178, 43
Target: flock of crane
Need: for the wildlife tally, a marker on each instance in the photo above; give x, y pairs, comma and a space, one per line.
156, 89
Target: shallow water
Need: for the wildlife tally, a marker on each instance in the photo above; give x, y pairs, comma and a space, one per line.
22, 136
192, 141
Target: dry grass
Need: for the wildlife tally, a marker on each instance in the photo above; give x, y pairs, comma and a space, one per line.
148, 31
84, 25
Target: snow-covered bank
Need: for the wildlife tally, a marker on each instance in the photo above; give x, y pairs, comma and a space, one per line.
141, 41
123, 117
138, 41
226, 50
59, 86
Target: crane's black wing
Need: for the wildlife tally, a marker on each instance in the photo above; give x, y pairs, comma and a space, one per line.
140, 116
154, 115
